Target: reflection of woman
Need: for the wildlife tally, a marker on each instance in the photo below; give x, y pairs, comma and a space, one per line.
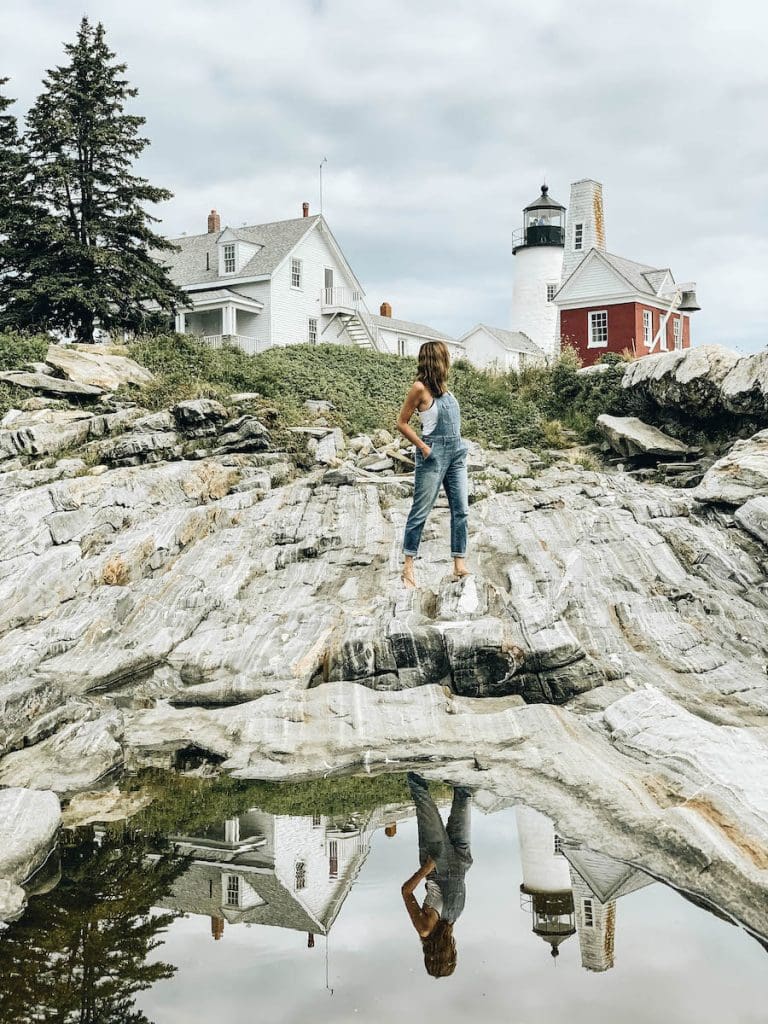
445, 858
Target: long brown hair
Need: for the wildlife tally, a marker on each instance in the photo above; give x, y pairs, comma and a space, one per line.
439, 946
434, 360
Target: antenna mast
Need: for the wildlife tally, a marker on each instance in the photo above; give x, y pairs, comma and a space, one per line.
323, 161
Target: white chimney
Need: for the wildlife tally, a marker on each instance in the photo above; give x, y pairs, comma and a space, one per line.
585, 228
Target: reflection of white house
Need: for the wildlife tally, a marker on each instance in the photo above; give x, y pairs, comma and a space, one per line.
282, 283
570, 889
284, 871
493, 348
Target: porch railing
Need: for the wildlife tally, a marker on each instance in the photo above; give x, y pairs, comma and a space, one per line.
241, 340
340, 298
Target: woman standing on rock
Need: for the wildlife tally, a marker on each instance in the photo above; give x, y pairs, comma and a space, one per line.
445, 859
441, 457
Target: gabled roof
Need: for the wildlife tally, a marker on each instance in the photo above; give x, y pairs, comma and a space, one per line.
607, 878
421, 330
639, 277
277, 239
512, 341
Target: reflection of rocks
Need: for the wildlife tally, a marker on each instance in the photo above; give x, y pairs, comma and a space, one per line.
29, 821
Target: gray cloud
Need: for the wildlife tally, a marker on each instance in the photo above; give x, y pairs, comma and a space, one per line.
439, 121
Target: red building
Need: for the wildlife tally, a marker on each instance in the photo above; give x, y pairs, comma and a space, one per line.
609, 304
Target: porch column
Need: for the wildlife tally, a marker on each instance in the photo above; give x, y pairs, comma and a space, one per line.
228, 319
181, 323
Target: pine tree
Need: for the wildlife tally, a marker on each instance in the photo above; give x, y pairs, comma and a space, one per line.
94, 263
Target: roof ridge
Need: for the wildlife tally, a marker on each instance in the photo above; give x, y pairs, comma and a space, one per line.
247, 227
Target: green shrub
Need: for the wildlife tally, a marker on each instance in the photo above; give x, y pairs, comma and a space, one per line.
531, 409
18, 349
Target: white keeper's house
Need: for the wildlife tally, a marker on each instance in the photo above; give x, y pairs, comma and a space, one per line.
283, 283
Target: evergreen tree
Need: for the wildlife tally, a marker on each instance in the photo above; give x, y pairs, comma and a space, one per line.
93, 264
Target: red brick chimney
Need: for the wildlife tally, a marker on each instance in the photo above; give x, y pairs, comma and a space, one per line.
214, 222
217, 927
305, 209
385, 309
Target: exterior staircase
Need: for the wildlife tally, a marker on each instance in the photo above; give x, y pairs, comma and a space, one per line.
360, 329
347, 306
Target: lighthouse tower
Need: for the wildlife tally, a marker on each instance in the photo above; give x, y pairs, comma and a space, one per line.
538, 251
546, 889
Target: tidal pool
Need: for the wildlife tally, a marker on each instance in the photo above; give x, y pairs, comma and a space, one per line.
254, 915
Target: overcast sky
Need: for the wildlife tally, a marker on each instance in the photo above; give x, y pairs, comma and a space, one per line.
439, 121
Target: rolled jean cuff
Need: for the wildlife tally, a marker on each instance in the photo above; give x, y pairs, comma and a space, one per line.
410, 554
458, 554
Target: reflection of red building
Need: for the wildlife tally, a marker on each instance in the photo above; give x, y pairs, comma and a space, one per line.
610, 304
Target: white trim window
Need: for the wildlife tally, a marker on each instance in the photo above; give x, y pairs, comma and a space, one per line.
578, 237
232, 890
677, 334
551, 289
295, 273
312, 330
647, 328
230, 258
402, 346
598, 329
589, 916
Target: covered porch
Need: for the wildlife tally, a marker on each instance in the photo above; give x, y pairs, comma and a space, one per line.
223, 317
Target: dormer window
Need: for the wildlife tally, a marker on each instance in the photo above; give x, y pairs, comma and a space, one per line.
230, 261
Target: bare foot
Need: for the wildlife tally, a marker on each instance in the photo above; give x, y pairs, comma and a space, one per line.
408, 578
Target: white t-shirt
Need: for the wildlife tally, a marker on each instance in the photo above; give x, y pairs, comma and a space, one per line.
429, 418
434, 897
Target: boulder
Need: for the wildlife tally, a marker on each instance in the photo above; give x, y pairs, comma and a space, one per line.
29, 822
245, 434
741, 474
745, 388
50, 385
135, 448
42, 431
199, 417
318, 406
753, 517
72, 759
629, 437
96, 366
690, 379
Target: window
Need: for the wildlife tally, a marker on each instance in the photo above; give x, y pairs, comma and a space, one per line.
401, 344
312, 331
551, 289
558, 845
317, 820
300, 876
229, 258
598, 329
295, 273
578, 237
589, 919
233, 890
647, 327
677, 333
333, 859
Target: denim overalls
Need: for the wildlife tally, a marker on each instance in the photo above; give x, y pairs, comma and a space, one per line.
446, 466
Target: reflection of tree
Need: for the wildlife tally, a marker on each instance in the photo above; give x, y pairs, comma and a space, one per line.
79, 953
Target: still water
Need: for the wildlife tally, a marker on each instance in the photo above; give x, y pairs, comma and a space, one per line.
300, 917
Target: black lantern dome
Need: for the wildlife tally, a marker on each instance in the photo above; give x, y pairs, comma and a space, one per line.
543, 222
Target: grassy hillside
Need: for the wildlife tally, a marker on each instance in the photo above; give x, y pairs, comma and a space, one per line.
367, 388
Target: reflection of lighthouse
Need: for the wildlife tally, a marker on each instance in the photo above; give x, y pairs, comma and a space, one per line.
546, 889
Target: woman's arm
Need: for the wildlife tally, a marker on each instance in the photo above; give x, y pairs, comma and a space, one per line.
421, 921
411, 403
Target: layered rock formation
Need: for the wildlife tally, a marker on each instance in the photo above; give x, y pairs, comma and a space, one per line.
606, 661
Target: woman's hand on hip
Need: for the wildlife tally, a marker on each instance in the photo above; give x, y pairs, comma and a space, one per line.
425, 450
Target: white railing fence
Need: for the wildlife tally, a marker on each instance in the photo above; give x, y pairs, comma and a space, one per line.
345, 297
